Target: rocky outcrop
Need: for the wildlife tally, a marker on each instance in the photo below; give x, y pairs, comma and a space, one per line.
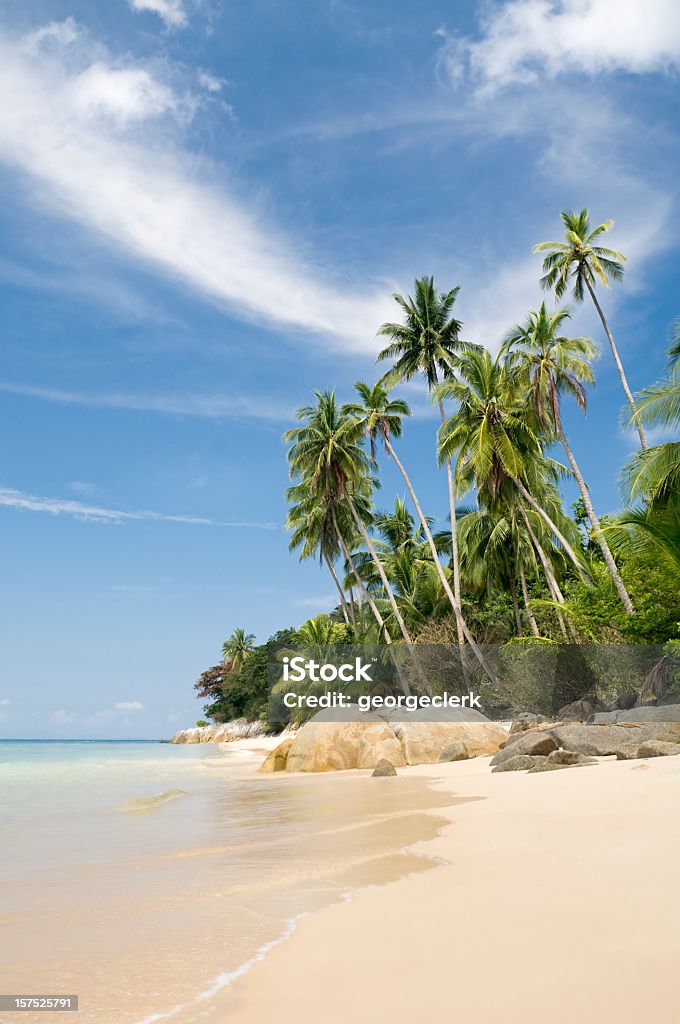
423, 741
383, 769
644, 715
607, 740
225, 732
277, 759
526, 720
331, 742
530, 743
326, 746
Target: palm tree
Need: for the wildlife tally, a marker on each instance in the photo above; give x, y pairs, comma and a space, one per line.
237, 648
653, 475
380, 417
551, 363
326, 453
310, 523
428, 343
581, 262
496, 441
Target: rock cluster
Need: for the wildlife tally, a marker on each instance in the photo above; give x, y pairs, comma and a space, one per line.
238, 729
631, 736
325, 744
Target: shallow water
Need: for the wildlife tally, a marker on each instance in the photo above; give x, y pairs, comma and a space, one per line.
145, 877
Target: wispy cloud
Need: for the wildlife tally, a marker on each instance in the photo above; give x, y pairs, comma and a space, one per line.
524, 40
11, 498
171, 11
207, 406
128, 705
81, 127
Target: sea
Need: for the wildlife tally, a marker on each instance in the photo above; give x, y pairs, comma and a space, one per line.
147, 877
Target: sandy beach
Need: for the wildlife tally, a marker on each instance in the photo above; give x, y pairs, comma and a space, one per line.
558, 899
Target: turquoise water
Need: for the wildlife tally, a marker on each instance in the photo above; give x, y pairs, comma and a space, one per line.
144, 876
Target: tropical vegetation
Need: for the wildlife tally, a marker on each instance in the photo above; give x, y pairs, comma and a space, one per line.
509, 563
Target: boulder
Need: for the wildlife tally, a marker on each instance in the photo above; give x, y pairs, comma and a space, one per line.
605, 740
657, 748
579, 710
518, 763
544, 764
534, 742
424, 737
570, 757
628, 752
456, 751
277, 758
325, 746
650, 713
383, 768
526, 720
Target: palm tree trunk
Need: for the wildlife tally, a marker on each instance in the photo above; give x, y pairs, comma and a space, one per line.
363, 590
595, 522
360, 583
515, 603
553, 585
379, 566
343, 602
465, 632
455, 559
527, 605
550, 524
619, 366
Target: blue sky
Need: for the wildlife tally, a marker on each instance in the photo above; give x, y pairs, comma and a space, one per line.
207, 206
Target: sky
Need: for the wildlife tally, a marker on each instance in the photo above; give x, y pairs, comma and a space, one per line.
207, 207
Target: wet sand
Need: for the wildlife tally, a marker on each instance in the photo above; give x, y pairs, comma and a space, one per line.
558, 899
149, 907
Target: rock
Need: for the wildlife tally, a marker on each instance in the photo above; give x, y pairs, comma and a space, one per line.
383, 768
650, 713
518, 763
221, 732
276, 758
605, 740
534, 742
544, 764
526, 720
570, 757
657, 748
423, 741
456, 751
579, 710
327, 745
628, 752
378, 745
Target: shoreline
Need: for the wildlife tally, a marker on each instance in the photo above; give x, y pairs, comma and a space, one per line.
545, 879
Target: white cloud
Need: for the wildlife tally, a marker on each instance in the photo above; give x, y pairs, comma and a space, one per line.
171, 11
525, 39
98, 162
63, 717
219, 406
124, 94
11, 498
5, 702
211, 82
129, 705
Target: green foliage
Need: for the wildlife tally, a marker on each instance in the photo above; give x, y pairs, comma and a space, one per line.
242, 694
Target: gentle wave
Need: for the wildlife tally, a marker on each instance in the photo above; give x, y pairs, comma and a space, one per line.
228, 977
148, 803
